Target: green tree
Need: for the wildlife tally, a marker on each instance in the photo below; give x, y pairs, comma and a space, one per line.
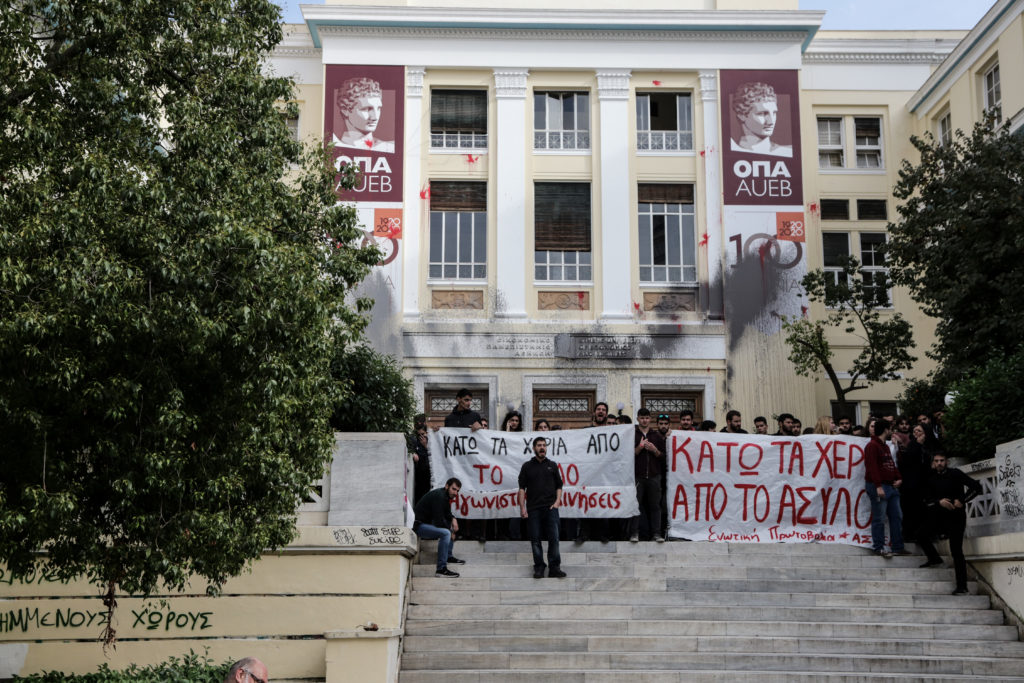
379, 398
169, 306
853, 298
987, 408
959, 242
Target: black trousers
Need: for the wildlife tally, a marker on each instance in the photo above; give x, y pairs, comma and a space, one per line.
952, 523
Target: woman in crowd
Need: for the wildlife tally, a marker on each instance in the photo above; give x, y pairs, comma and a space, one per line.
513, 422
914, 462
542, 426
825, 425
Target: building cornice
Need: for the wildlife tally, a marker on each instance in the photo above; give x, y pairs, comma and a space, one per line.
799, 25
873, 57
299, 52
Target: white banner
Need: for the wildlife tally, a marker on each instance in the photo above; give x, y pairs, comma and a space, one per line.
767, 489
596, 465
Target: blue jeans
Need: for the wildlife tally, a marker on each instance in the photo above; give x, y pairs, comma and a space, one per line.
541, 523
445, 542
882, 508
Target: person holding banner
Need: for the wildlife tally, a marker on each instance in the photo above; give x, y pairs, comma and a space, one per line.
648, 451
882, 482
540, 496
434, 521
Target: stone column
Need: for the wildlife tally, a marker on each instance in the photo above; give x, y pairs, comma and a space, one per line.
508, 143
413, 207
616, 252
712, 192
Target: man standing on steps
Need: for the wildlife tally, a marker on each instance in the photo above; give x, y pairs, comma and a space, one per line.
881, 482
945, 502
540, 496
434, 520
649, 454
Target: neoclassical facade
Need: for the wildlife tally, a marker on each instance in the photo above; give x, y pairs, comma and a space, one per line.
617, 203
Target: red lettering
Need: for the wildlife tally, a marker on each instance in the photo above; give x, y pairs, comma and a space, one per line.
788, 501
481, 469
782, 453
745, 488
767, 503
728, 453
863, 495
706, 453
616, 501
854, 448
750, 470
823, 458
680, 500
678, 448
800, 519
795, 454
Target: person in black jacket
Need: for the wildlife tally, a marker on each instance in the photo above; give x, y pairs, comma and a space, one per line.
540, 496
434, 520
945, 502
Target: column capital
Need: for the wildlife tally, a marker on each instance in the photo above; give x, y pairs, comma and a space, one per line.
613, 84
708, 85
510, 83
414, 80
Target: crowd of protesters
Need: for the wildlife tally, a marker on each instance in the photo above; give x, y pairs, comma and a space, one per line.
907, 478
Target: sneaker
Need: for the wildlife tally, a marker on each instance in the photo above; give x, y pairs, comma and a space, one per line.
538, 573
634, 539
931, 563
659, 539
455, 560
447, 573
556, 574
960, 591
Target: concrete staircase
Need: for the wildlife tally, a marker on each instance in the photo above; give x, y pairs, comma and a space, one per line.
654, 613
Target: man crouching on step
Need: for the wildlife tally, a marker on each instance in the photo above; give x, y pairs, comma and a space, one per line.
434, 520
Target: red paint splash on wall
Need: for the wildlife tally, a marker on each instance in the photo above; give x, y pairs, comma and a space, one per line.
425, 192
656, 82
703, 240
472, 159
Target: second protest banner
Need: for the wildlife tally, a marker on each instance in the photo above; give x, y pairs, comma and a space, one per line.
750, 488
596, 465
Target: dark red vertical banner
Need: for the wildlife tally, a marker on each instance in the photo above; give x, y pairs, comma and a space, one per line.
364, 117
761, 138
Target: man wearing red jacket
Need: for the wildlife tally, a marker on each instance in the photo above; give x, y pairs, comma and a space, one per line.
882, 482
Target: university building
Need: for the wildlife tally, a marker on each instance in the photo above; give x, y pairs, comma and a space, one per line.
612, 201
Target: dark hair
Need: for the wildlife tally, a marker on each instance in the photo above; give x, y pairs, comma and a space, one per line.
464, 392
684, 413
534, 444
511, 414
536, 425
760, 418
707, 426
879, 426
602, 403
625, 420
453, 480
784, 416
643, 412
844, 417
808, 430
420, 419
731, 414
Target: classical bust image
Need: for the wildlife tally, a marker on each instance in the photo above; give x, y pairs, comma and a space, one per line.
360, 101
756, 107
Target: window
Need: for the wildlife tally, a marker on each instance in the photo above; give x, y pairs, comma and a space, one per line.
883, 408
836, 254
458, 119
672, 403
830, 142
668, 250
873, 268
945, 129
438, 403
567, 409
293, 125
872, 210
664, 122
993, 92
868, 141
835, 209
561, 120
561, 217
458, 231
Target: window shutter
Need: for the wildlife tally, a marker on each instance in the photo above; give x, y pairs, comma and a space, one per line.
561, 216
458, 196
835, 209
872, 210
664, 193
458, 110
867, 128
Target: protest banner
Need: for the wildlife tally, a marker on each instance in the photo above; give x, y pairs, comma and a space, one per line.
596, 465
767, 489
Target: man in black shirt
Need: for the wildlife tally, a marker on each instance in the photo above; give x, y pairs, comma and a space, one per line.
945, 511
540, 496
648, 458
462, 415
434, 520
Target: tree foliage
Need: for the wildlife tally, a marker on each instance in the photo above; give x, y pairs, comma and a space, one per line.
988, 407
959, 242
191, 668
852, 299
379, 398
169, 306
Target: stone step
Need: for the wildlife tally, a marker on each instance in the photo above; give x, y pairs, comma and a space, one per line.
627, 548
678, 676
467, 582
717, 661
876, 570
728, 612
939, 599
658, 627
743, 644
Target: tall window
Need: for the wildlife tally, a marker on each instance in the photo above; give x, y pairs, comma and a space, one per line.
668, 248
561, 120
868, 141
458, 119
830, 142
562, 232
993, 92
664, 122
836, 248
946, 129
872, 265
458, 231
